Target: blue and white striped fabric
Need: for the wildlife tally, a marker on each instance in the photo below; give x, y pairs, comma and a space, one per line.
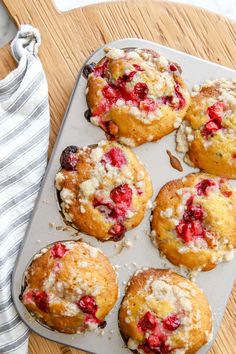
24, 133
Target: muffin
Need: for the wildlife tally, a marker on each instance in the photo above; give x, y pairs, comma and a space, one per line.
162, 312
104, 189
71, 287
208, 133
136, 95
194, 221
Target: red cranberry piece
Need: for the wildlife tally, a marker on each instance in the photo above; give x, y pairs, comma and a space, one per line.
194, 212
41, 300
121, 83
156, 342
110, 92
153, 341
141, 90
122, 194
187, 216
211, 127
118, 212
167, 100
69, 158
188, 231
171, 322
117, 231
216, 111
148, 105
97, 202
203, 186
185, 231
163, 349
147, 322
87, 304
101, 69
182, 101
173, 67
234, 156
58, 250
145, 348
138, 67
102, 108
115, 157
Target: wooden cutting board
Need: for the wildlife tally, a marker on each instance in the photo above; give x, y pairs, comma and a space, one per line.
68, 39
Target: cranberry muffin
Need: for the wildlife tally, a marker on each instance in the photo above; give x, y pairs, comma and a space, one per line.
162, 312
104, 189
71, 287
136, 95
208, 133
194, 221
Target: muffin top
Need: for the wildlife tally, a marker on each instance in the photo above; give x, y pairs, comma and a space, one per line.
132, 92
194, 221
208, 133
70, 287
104, 189
162, 312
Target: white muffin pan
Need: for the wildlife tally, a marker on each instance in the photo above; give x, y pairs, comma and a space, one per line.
47, 225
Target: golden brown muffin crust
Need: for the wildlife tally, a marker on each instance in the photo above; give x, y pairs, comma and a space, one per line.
106, 192
164, 309
207, 135
136, 96
70, 287
193, 228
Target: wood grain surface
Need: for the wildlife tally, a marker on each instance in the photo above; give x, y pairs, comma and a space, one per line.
68, 39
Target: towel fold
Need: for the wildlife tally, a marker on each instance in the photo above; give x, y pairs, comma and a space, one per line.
24, 134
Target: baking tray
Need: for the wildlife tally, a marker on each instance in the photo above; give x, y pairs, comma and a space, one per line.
47, 225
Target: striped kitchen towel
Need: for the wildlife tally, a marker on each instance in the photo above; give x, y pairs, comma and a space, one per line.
24, 133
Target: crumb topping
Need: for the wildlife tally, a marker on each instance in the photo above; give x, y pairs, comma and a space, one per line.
216, 123
140, 81
165, 319
190, 220
110, 186
67, 292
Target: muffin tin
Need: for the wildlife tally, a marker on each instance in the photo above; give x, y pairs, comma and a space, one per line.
47, 225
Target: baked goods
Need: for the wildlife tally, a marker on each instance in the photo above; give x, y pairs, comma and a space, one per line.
194, 221
104, 189
208, 133
70, 287
162, 312
136, 95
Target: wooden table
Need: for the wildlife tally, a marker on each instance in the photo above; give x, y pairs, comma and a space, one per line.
68, 38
